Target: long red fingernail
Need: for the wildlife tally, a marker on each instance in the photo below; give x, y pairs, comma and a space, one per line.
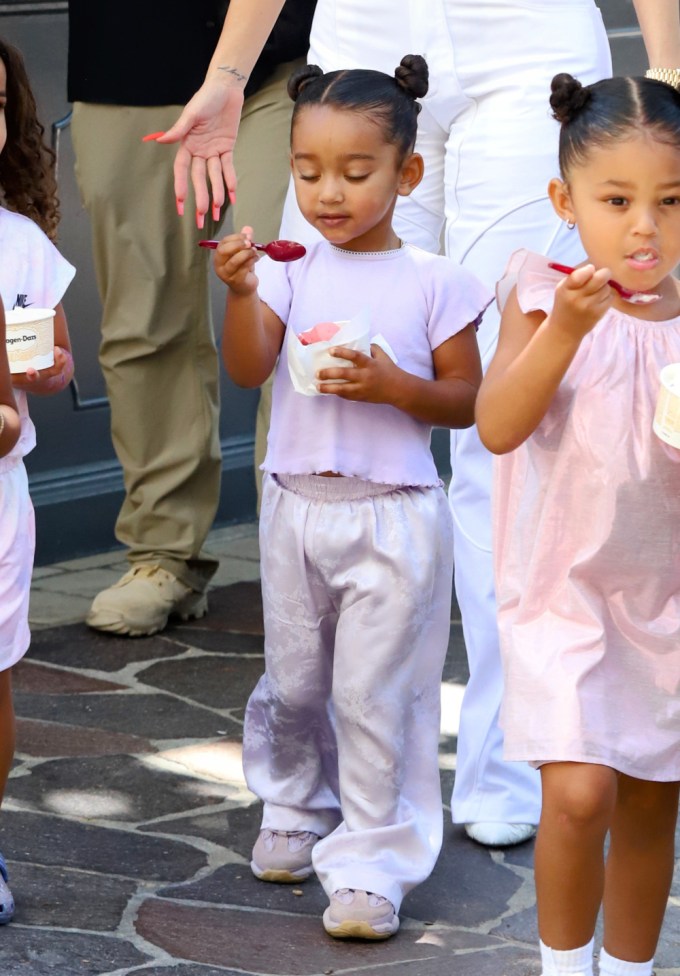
232, 197
151, 136
216, 211
200, 220
180, 207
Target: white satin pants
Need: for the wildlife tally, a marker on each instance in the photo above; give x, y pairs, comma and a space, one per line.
341, 732
490, 149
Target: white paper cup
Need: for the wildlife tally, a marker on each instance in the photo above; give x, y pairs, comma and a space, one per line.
667, 416
30, 338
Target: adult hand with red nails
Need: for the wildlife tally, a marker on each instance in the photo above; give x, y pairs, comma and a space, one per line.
206, 131
208, 125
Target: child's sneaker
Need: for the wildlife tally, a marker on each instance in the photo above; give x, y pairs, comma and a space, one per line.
6, 900
283, 856
356, 914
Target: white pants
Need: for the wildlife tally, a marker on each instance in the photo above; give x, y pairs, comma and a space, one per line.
490, 149
341, 732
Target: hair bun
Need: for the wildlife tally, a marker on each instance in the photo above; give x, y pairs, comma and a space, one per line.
412, 75
568, 97
301, 78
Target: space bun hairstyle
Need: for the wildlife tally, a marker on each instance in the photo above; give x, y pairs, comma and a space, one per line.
391, 101
597, 115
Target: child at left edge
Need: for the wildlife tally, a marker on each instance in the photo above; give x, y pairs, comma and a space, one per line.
32, 272
341, 733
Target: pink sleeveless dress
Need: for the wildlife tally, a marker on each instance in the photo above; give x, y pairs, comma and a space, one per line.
587, 554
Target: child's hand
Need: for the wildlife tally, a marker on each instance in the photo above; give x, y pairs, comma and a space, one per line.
581, 300
52, 379
372, 379
235, 260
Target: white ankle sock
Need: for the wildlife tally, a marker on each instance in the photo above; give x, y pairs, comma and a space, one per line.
569, 962
609, 966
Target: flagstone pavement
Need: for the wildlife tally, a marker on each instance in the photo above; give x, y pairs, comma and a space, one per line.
127, 824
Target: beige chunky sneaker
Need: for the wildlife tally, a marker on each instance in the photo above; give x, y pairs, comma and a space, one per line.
283, 856
356, 914
142, 601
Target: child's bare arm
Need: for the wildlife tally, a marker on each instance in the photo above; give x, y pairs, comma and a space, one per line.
251, 334
534, 352
53, 379
446, 401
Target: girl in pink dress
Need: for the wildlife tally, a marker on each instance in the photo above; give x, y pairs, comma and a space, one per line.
587, 528
32, 273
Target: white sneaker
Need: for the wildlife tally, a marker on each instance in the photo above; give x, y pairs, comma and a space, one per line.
6, 900
496, 834
142, 601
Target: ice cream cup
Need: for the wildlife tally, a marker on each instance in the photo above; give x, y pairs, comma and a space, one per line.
305, 361
30, 338
323, 358
667, 416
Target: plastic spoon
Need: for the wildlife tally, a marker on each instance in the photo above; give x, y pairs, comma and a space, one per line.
634, 297
276, 250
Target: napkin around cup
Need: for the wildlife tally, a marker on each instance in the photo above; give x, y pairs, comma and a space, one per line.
304, 361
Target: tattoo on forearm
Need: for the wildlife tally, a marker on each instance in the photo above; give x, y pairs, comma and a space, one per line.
232, 71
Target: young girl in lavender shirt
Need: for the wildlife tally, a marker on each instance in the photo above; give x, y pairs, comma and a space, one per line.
341, 732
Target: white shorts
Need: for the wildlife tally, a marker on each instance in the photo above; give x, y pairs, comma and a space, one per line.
17, 547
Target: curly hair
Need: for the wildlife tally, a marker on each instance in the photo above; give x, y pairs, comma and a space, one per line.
27, 165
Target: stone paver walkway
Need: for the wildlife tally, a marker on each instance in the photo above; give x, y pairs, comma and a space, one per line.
127, 824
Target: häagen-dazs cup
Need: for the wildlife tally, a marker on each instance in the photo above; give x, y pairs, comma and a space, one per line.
30, 338
667, 416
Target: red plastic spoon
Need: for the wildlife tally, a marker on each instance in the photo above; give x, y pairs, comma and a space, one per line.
276, 250
634, 297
